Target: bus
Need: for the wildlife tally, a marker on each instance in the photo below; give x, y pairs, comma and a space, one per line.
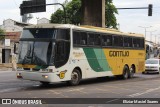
62, 52
149, 50
152, 50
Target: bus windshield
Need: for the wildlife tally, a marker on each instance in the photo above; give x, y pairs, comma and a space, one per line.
39, 33
37, 46
38, 53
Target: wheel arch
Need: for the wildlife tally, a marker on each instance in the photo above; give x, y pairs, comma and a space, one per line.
126, 66
79, 69
133, 65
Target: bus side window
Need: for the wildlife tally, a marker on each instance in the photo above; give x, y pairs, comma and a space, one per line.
127, 42
94, 39
142, 43
138, 42
97, 40
63, 34
76, 38
106, 40
83, 38
91, 39
79, 38
118, 41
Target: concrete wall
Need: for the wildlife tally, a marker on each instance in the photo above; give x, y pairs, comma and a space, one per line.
9, 26
93, 12
43, 21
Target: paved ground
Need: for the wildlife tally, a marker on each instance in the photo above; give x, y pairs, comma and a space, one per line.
141, 86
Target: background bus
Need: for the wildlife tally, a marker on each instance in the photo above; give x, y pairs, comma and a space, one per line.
152, 51
57, 52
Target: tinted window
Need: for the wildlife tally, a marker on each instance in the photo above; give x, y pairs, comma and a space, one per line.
94, 39
127, 42
106, 40
117, 41
38, 33
63, 34
79, 38
142, 43
138, 42
152, 61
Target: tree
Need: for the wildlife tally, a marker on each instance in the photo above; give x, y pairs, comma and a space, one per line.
73, 9
58, 17
111, 21
2, 34
73, 13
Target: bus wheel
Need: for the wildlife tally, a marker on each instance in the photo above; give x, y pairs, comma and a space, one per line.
75, 77
132, 71
125, 74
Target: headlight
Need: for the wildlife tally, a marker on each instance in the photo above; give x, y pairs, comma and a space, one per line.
45, 76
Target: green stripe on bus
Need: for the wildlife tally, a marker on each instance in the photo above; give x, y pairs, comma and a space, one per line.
96, 59
92, 59
104, 62
102, 59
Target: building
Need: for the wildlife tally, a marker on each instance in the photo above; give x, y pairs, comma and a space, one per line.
13, 30
10, 25
43, 21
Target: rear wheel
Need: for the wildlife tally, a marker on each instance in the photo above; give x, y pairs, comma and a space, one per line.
132, 71
144, 72
125, 74
75, 77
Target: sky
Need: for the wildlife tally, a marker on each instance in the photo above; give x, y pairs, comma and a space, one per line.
129, 20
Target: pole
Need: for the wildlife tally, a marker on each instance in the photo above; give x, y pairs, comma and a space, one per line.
151, 34
48, 5
155, 38
145, 29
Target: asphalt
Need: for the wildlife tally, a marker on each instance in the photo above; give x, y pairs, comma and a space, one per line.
141, 86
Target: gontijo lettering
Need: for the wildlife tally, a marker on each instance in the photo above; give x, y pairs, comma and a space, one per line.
118, 53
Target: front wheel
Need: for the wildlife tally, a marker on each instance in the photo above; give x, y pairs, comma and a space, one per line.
75, 77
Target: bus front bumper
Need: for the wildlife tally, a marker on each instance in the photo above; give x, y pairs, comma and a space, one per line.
38, 76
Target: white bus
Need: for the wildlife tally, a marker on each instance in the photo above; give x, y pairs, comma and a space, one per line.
63, 52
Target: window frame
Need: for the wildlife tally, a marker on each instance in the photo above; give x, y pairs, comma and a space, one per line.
110, 36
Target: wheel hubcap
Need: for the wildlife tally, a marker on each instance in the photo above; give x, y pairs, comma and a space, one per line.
74, 77
126, 75
131, 72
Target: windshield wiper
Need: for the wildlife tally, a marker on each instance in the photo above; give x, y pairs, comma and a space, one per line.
27, 59
36, 60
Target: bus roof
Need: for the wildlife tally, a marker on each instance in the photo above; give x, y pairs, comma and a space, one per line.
85, 28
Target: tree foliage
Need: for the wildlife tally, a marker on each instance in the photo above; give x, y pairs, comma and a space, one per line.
2, 34
111, 21
73, 13
73, 10
58, 17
